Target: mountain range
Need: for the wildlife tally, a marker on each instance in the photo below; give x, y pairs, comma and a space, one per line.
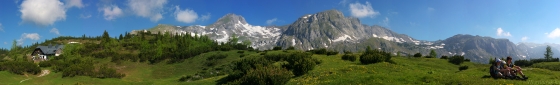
332, 30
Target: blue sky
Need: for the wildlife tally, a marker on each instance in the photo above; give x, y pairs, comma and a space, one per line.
29, 21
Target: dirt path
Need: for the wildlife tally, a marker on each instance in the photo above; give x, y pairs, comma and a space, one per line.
43, 73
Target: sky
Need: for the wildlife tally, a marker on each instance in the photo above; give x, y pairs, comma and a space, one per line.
30, 21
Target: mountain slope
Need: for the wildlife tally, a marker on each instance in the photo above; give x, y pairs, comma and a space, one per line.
323, 29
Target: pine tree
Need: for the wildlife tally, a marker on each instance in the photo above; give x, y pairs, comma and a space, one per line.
548, 54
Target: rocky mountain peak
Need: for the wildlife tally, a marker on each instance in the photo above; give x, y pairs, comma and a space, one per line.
231, 19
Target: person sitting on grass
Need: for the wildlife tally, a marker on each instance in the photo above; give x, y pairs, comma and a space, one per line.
514, 69
498, 70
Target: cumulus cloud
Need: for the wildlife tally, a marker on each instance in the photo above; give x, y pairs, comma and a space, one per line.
554, 34
501, 32
205, 17
73, 3
25, 36
111, 12
42, 12
524, 38
362, 10
269, 22
147, 8
55, 31
185, 16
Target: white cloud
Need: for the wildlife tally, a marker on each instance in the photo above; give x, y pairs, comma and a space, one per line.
554, 34
186, 16
111, 12
42, 12
362, 10
5, 43
55, 31
524, 38
501, 32
74, 3
148, 8
31, 36
85, 16
205, 17
271, 21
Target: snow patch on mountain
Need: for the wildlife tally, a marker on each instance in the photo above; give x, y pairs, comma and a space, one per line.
223, 39
342, 38
293, 42
257, 30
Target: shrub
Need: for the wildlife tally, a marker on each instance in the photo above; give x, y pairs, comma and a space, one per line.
276, 56
242, 55
349, 57
467, 60
443, 57
291, 48
523, 63
269, 75
19, 67
456, 59
45, 64
463, 68
277, 48
217, 56
240, 51
374, 56
105, 72
428, 56
329, 53
300, 63
418, 55
555, 66
319, 51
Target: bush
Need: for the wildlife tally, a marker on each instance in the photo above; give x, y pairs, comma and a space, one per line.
332, 53
456, 59
463, 68
467, 60
300, 63
428, 56
349, 57
276, 56
534, 61
291, 48
374, 56
555, 66
320, 51
240, 51
418, 55
277, 48
523, 63
45, 64
269, 75
242, 55
492, 61
20, 67
185, 78
443, 57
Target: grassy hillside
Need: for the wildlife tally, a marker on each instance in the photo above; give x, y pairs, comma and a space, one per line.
332, 70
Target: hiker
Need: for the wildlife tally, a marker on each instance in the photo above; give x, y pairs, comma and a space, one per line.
517, 69
498, 69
